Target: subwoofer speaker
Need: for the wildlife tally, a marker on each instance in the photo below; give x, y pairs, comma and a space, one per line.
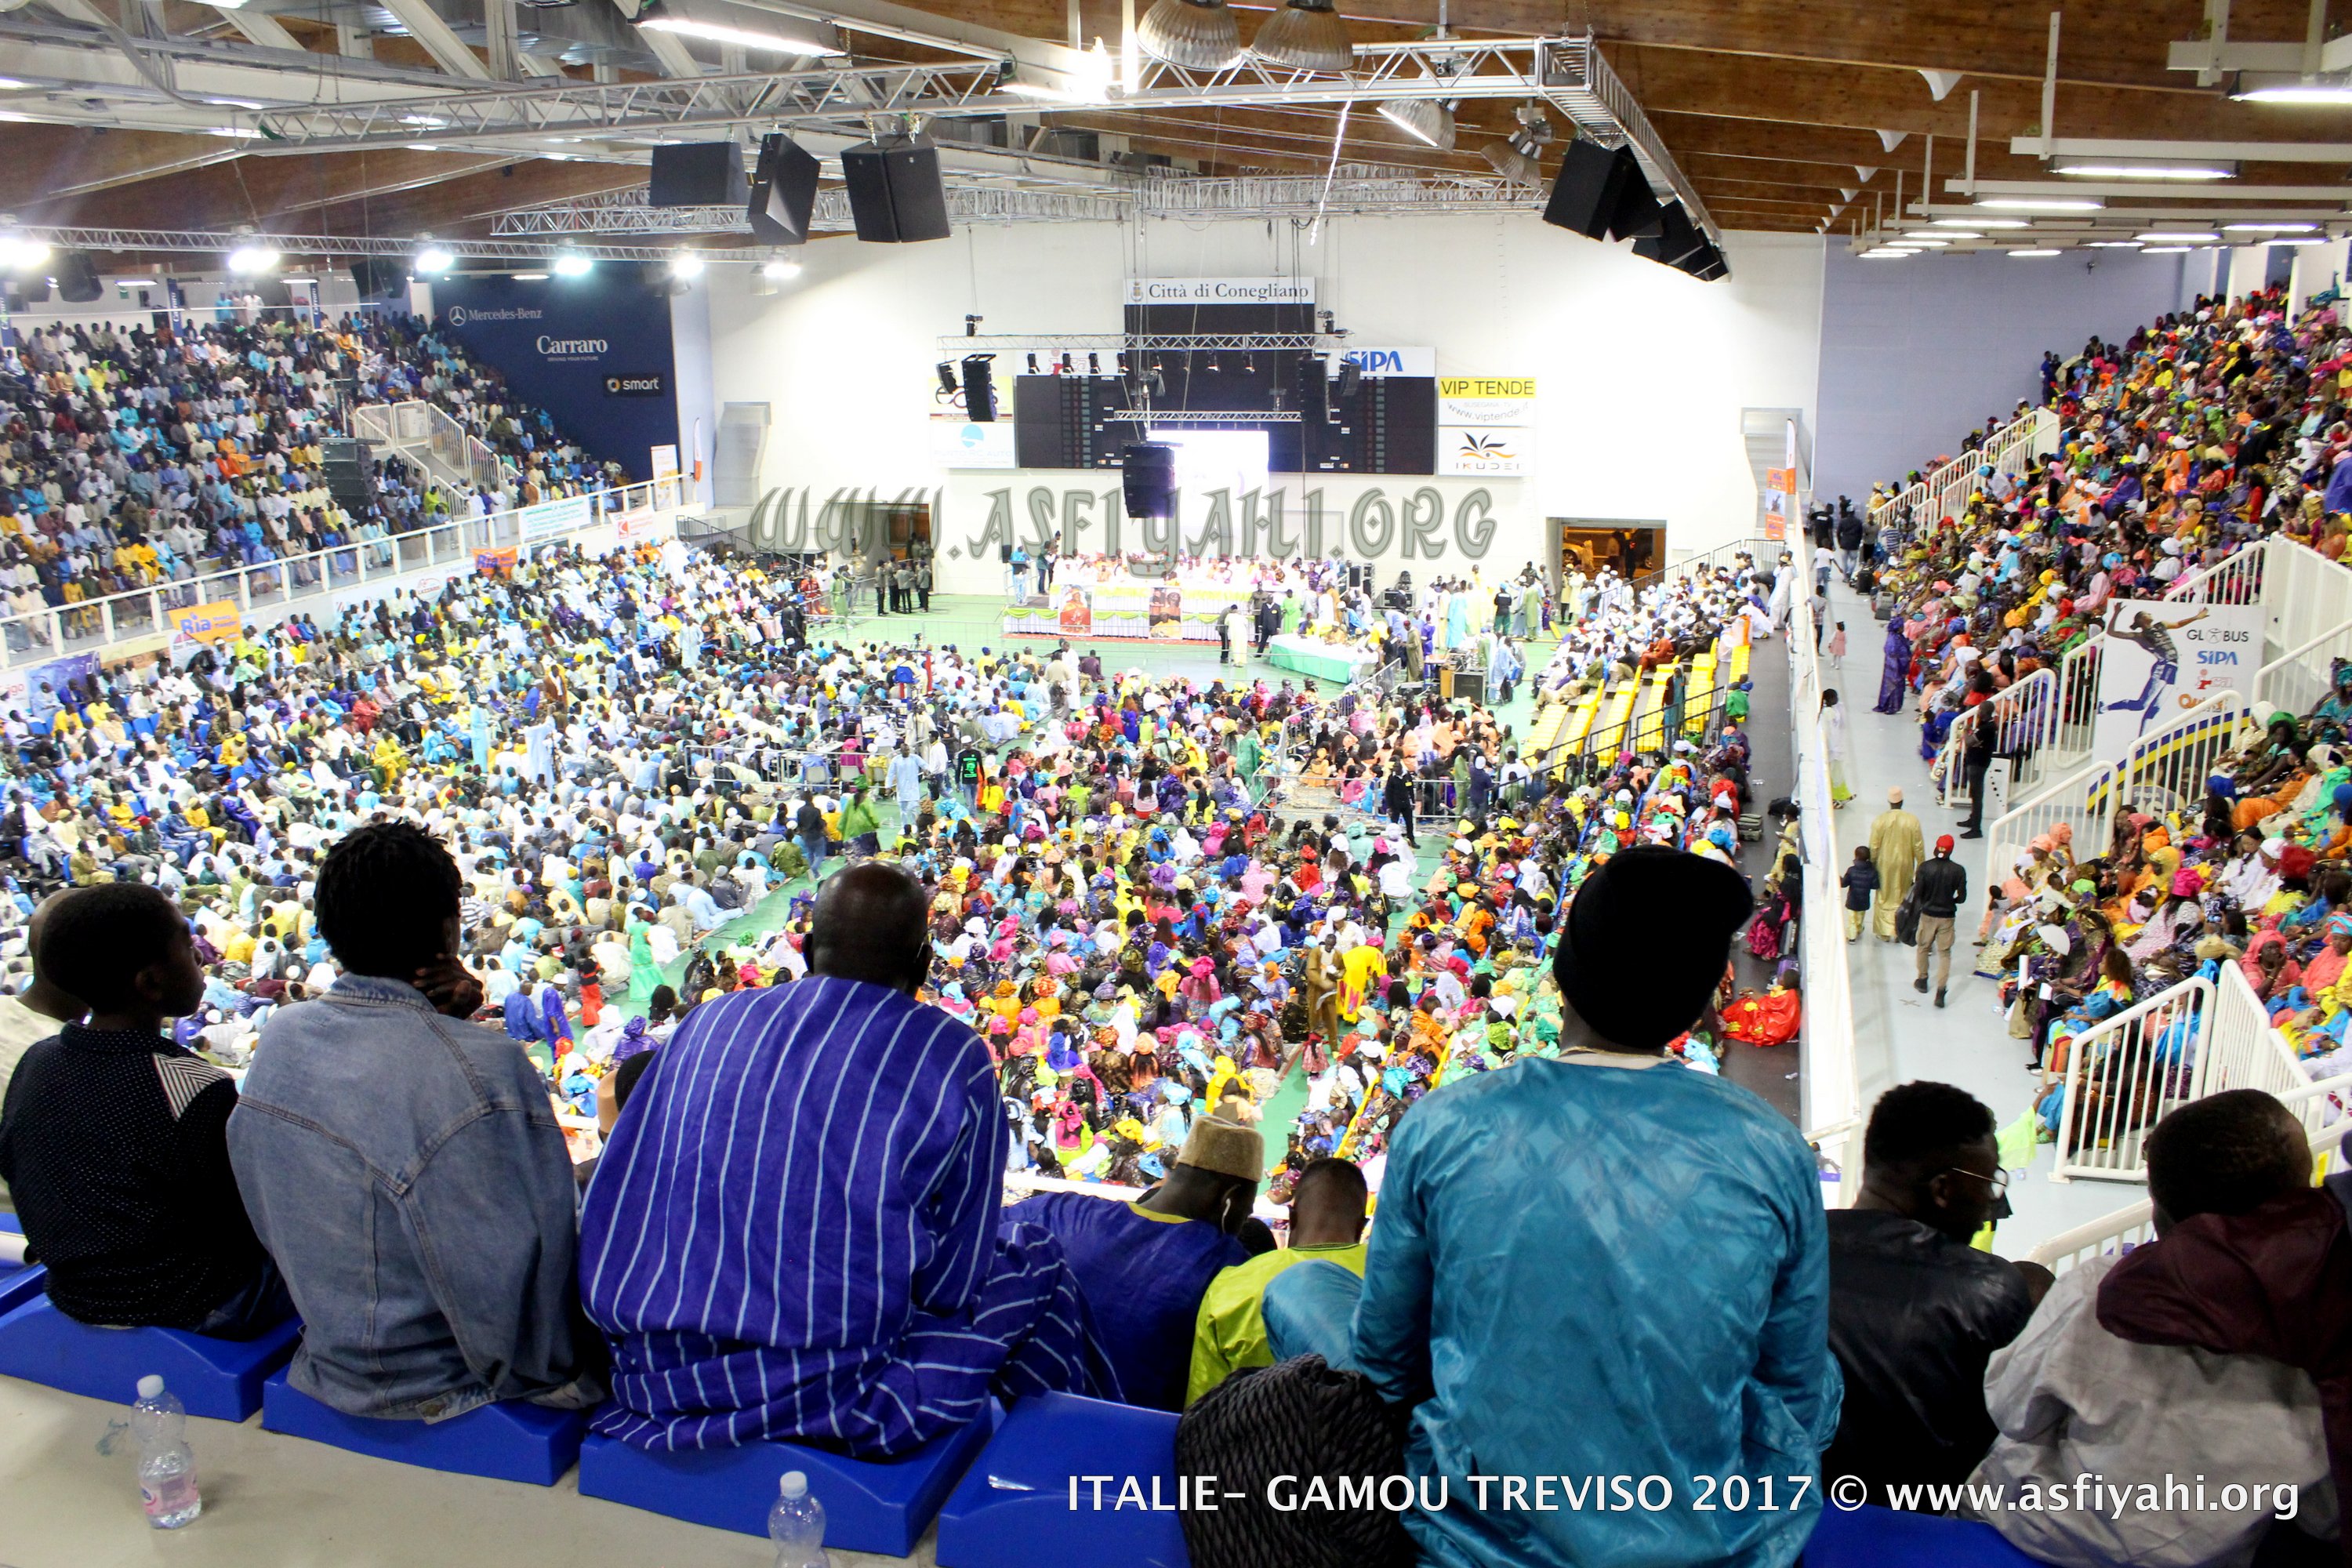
896, 195
78, 279
1601, 194
697, 174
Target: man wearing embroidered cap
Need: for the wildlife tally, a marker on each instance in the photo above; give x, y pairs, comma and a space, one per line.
1142, 1266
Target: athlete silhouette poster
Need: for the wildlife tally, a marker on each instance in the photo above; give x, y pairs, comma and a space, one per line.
2162, 657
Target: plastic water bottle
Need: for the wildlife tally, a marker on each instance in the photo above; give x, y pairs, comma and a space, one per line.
167, 1470
796, 1524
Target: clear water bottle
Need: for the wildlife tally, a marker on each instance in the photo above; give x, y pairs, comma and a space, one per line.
167, 1470
796, 1524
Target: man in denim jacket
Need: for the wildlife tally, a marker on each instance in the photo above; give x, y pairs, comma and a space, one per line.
404, 1168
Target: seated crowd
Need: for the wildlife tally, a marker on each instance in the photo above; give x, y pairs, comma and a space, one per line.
138, 458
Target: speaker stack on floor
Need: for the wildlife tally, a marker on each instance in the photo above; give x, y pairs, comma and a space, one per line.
1600, 193
350, 468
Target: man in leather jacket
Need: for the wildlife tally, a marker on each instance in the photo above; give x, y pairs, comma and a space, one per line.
1916, 1312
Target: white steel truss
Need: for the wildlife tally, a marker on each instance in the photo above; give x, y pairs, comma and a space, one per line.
333, 245
1148, 342
966, 203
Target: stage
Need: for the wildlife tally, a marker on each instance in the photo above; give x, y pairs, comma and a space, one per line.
1341, 662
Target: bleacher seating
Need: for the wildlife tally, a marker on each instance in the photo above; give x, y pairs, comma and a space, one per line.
1013, 1509
881, 1506
19, 1282
510, 1441
220, 1379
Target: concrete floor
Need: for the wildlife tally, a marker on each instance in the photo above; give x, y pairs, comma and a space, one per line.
1966, 1042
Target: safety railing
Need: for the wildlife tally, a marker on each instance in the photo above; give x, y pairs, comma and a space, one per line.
414, 426
2300, 678
1830, 1089
2119, 1231
2236, 579
95, 625
2307, 594
1945, 490
2165, 768
2025, 721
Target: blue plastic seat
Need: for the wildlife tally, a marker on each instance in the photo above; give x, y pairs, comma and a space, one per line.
1882, 1538
1013, 1509
506, 1442
870, 1505
19, 1282
220, 1379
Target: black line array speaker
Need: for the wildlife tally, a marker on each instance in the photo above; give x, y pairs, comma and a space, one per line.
1601, 194
78, 279
1147, 473
1675, 241
895, 192
379, 277
978, 389
349, 470
783, 192
1314, 391
697, 174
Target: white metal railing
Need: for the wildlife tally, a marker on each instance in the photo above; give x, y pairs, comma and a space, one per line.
2025, 729
2300, 678
2167, 767
2125, 1072
2236, 579
416, 426
1831, 1085
2305, 594
94, 625
1945, 490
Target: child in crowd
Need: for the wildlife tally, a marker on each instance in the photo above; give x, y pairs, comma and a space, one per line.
1860, 885
1837, 648
113, 1139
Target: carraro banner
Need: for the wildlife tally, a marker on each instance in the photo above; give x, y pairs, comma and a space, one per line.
219, 621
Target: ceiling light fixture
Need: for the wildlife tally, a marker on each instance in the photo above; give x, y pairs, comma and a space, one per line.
2293, 93
1088, 82
1198, 34
777, 269
686, 267
433, 260
2149, 169
718, 33
2268, 227
2166, 250
2176, 236
250, 259
527, 277
2041, 203
2035, 250
233, 132
1509, 162
572, 264
1978, 223
2296, 240
1425, 119
1937, 243
2112, 244
1306, 35
18, 254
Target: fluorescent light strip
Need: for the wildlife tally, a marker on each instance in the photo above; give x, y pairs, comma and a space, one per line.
2145, 172
2268, 227
1980, 223
2041, 203
2166, 250
2176, 236
719, 34
2306, 95
2037, 251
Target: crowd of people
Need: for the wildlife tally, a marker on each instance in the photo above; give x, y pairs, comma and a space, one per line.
705, 959
145, 457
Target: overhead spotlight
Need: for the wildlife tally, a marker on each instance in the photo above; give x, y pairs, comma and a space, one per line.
1065, 364
18, 254
1425, 119
1033, 364
1249, 365
1087, 82
432, 261
250, 259
1306, 35
1512, 165
1198, 34
776, 270
1094, 363
1125, 367
686, 267
572, 264
1213, 362
947, 373
971, 326
1158, 365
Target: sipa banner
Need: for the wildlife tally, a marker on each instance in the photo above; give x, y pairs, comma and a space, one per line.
1393, 362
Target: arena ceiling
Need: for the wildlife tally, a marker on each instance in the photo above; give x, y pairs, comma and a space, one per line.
468, 119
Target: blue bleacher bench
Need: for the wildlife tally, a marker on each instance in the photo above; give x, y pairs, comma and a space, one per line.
1882, 1538
19, 1282
509, 1441
220, 1379
870, 1505
1014, 1508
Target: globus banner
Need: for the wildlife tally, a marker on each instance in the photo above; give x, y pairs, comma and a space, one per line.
595, 351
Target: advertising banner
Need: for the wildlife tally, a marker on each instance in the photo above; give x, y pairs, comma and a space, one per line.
2162, 657
1394, 362
1496, 451
219, 621
635, 527
1485, 424
1221, 290
595, 351
553, 517
970, 444
495, 563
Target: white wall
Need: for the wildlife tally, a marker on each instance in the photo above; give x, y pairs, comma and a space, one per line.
1642, 372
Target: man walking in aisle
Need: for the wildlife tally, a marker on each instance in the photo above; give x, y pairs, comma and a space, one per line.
1943, 887
1896, 841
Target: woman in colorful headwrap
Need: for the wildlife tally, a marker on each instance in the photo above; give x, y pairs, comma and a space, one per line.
1896, 673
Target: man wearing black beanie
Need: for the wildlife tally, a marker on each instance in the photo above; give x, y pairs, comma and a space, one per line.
1607, 1265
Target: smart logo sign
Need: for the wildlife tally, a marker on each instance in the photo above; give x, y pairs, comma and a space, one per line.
593, 351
